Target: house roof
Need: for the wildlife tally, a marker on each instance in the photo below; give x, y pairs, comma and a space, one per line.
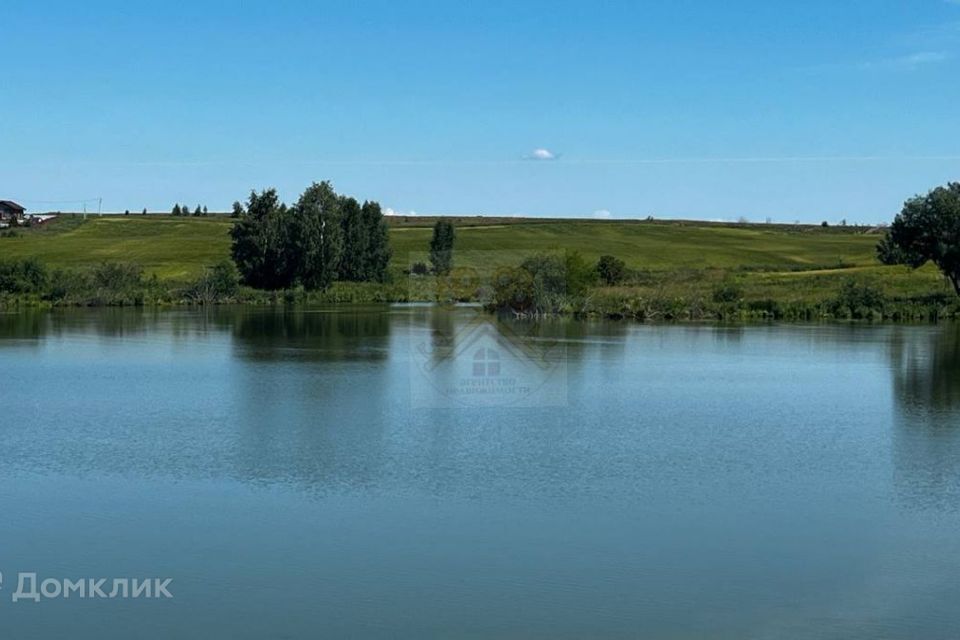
10, 204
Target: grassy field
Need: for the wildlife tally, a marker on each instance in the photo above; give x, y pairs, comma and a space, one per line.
172, 248
181, 247
688, 259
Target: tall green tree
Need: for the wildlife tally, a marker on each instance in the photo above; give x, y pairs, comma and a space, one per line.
259, 246
353, 263
927, 230
176, 209
316, 237
441, 246
378, 252
238, 211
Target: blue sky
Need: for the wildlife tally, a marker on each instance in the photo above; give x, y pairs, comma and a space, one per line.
794, 111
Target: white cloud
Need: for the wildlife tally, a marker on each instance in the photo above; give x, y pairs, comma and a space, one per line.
542, 154
602, 214
387, 211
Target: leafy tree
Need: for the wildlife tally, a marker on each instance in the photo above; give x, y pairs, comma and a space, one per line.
197, 212
580, 274
316, 236
927, 230
611, 270
238, 211
176, 210
441, 247
205, 212
352, 266
378, 252
888, 252
127, 212
144, 212
259, 242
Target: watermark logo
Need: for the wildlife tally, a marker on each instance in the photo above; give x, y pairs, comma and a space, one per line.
465, 355
31, 588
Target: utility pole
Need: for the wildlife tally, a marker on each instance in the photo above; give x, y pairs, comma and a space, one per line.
84, 210
99, 206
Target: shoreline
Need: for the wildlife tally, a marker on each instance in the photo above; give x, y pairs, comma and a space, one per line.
686, 271
895, 313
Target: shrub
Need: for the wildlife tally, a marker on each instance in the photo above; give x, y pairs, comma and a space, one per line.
727, 293
544, 283
859, 300
548, 282
611, 270
69, 286
218, 284
117, 276
513, 289
766, 308
23, 276
419, 269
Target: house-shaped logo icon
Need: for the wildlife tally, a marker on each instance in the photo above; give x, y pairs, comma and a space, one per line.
484, 362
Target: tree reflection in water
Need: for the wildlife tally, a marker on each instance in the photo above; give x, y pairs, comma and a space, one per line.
926, 393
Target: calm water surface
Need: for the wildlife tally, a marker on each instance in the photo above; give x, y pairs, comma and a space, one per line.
416, 473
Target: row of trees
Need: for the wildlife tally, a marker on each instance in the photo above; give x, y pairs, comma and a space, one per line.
322, 237
185, 211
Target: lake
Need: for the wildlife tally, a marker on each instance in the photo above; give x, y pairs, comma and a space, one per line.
413, 472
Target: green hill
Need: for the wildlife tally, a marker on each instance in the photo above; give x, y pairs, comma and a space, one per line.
786, 262
180, 247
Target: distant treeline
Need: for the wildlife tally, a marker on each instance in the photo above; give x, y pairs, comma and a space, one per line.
185, 210
321, 238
